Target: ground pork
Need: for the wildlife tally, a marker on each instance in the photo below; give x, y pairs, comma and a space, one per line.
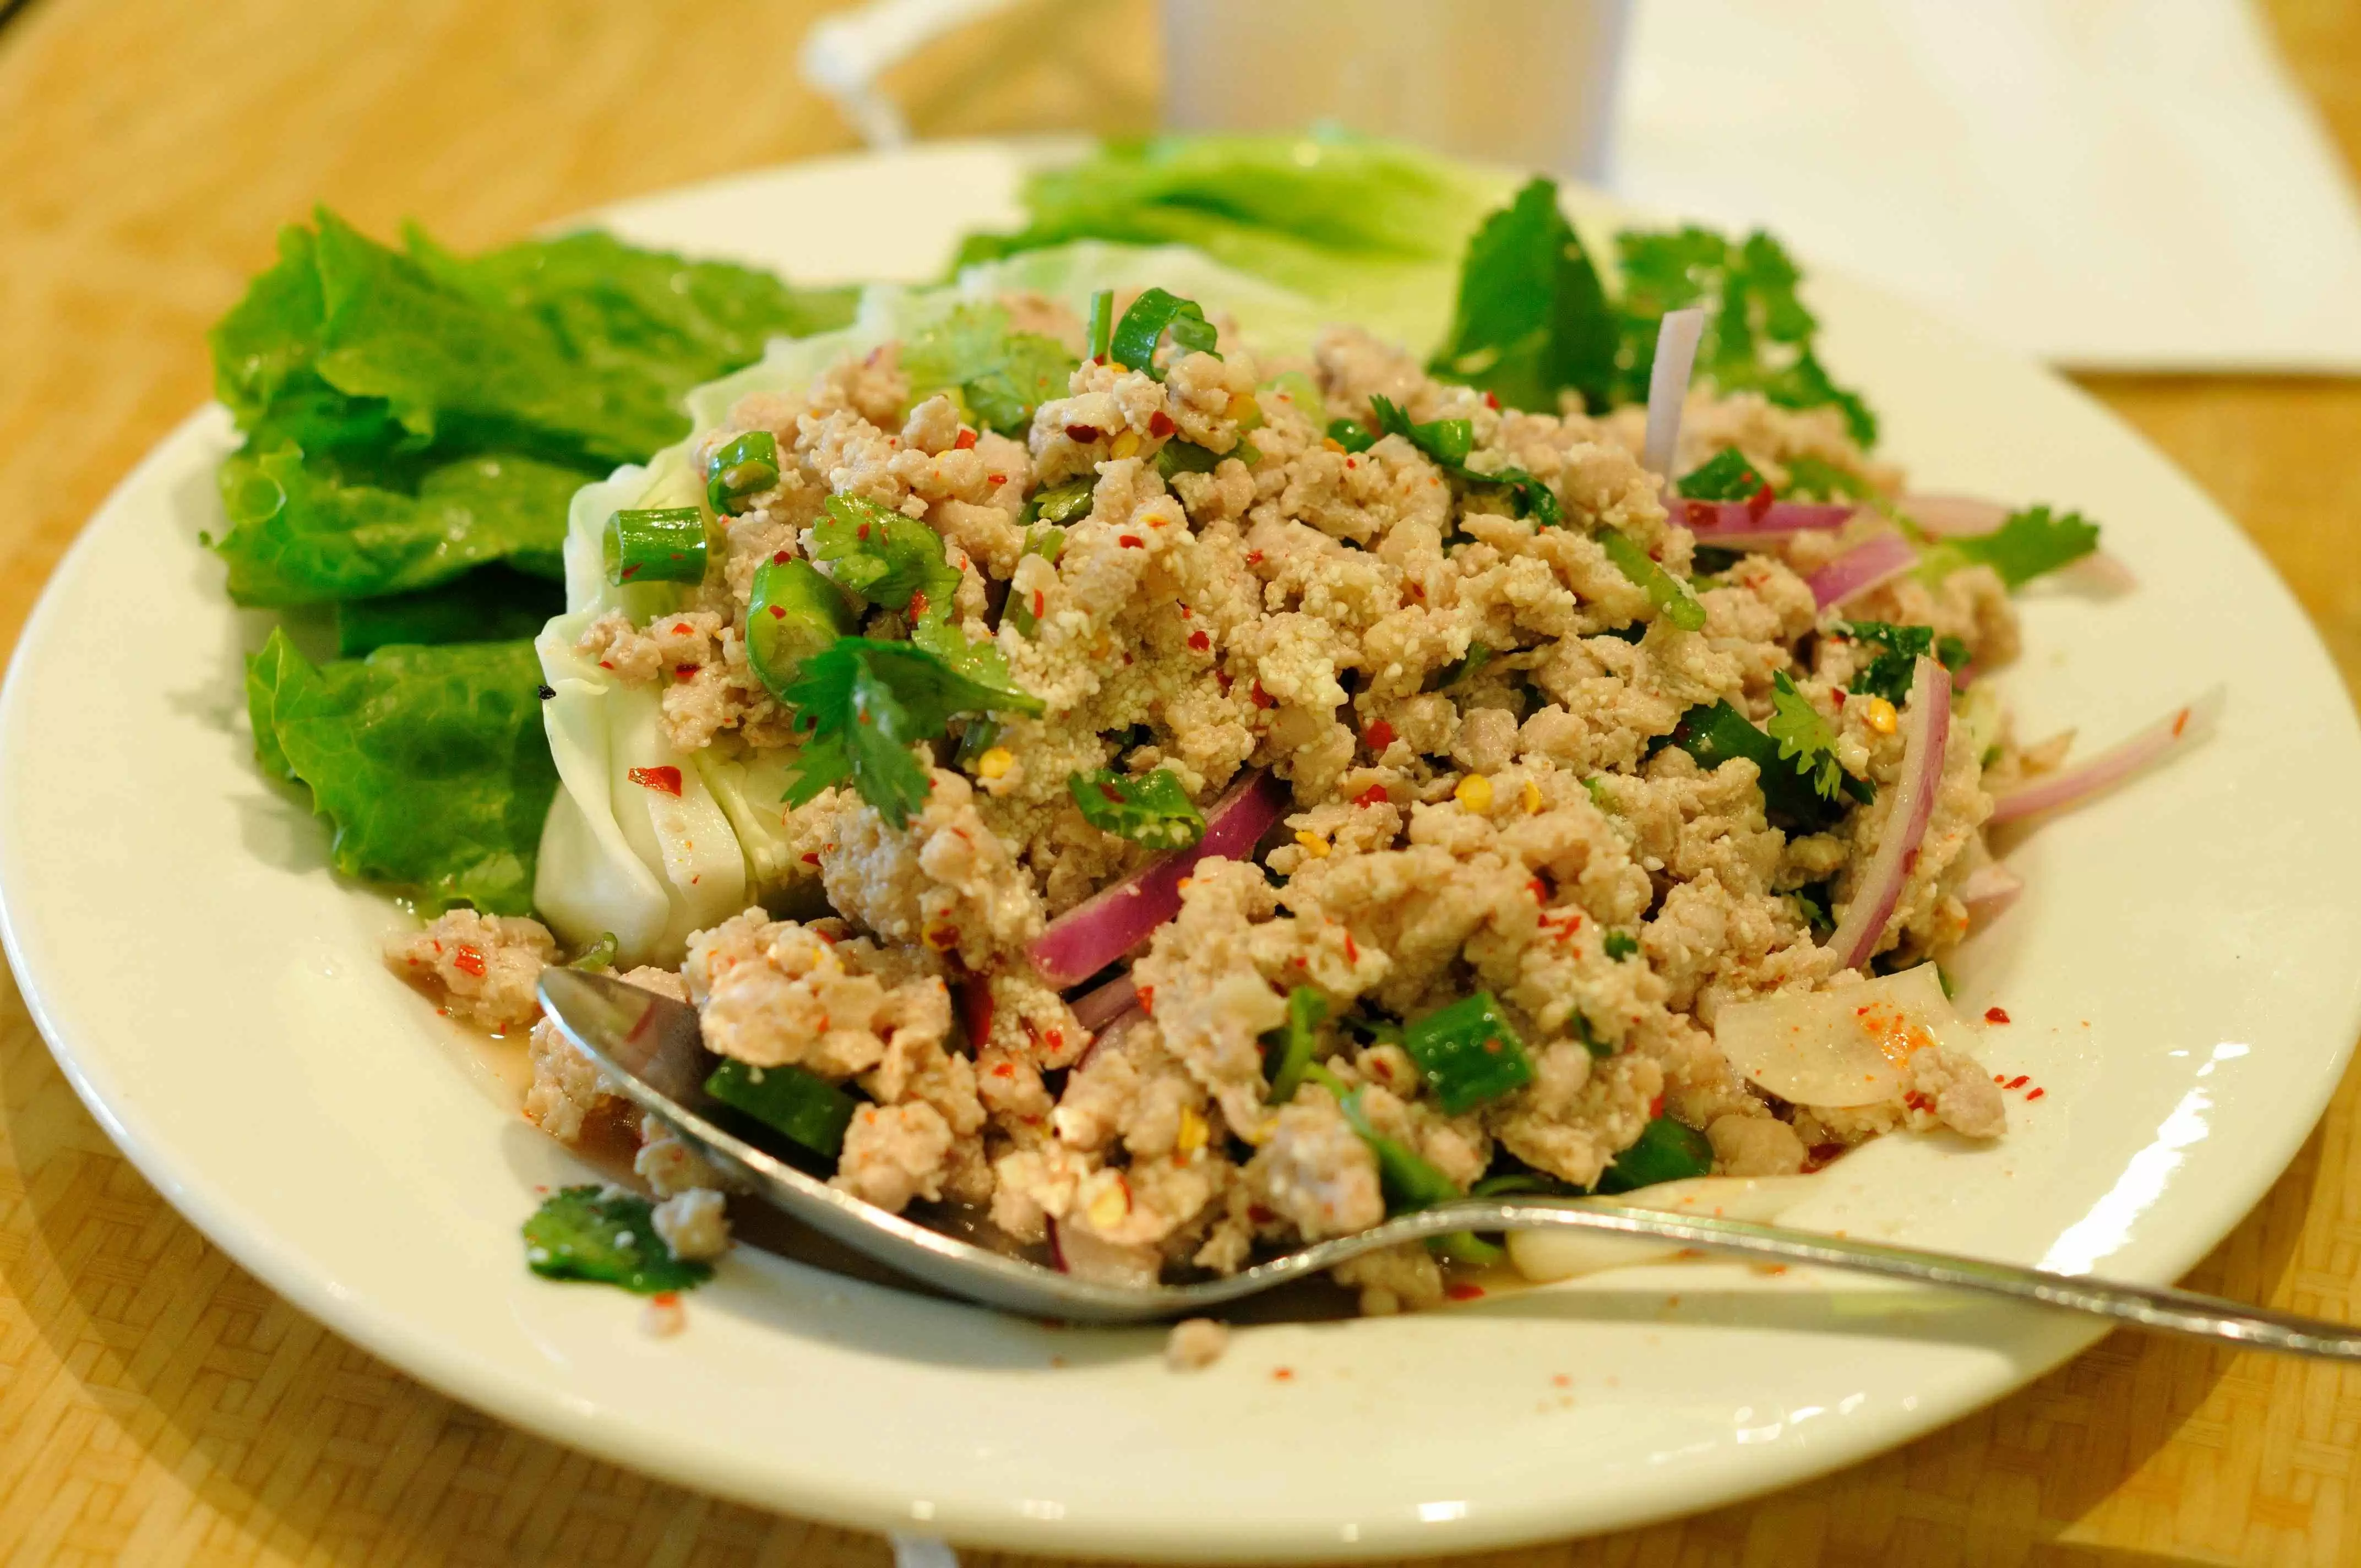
1472, 713
485, 970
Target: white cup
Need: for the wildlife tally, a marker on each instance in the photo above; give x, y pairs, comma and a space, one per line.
1525, 82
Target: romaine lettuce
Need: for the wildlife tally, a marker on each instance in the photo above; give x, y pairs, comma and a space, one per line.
430, 763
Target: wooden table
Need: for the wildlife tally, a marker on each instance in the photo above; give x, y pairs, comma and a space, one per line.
158, 1405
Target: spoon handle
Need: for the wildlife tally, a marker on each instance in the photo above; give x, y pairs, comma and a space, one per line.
2159, 1308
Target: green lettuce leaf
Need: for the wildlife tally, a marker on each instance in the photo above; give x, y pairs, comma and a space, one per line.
493, 605
430, 763
300, 534
1531, 320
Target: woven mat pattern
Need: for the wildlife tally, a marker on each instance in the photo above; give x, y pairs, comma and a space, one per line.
157, 1405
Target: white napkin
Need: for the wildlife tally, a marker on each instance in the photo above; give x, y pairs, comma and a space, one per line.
2120, 184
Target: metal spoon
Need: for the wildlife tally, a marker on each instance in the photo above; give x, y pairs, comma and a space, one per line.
652, 1047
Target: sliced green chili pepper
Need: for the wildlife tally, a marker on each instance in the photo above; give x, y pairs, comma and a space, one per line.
792, 1101
745, 465
795, 612
1468, 1053
665, 545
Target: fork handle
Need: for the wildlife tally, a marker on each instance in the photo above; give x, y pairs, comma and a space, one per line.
2159, 1308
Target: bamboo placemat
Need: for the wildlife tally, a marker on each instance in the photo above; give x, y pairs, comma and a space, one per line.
158, 1405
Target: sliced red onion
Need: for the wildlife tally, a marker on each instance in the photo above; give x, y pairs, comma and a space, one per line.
1988, 891
1094, 1009
1927, 730
1750, 523
2071, 786
1668, 387
1866, 566
1110, 923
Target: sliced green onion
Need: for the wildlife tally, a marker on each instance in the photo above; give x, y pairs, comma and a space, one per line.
1287, 1050
1101, 331
1351, 434
798, 1104
1408, 1177
1478, 654
745, 467
795, 612
1151, 315
1049, 543
599, 955
1672, 598
1468, 1053
1665, 1150
1468, 1247
665, 545
1621, 944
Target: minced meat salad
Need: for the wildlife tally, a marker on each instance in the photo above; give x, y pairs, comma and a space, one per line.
1189, 802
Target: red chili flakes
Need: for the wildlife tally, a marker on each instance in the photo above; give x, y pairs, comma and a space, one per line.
1373, 796
778, 612
1538, 888
1379, 736
1655, 1107
975, 1013
1131, 541
681, 629
666, 780
1839, 694
1351, 463
1282, 1374
810, 859
1055, 1039
997, 480
2035, 1095
917, 605
2019, 1081
1200, 642
470, 959
1995, 1015
1759, 502
2179, 723
1563, 1380
1003, 1069
780, 558
1081, 435
631, 570
1112, 794
683, 672
1159, 424
1148, 1000
1263, 699
1254, 557
1259, 1215
861, 534
966, 440
1352, 949
606, 665
2000, 1077
1493, 401
1038, 603
1463, 1291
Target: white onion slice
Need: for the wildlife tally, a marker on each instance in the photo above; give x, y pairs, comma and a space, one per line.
2183, 726
1110, 923
1927, 730
1085, 1256
1545, 1256
1839, 1048
1988, 891
1668, 387
1869, 564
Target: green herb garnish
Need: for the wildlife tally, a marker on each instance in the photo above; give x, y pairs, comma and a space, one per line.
794, 1102
1713, 734
999, 376
862, 704
2028, 545
1531, 320
1806, 737
1621, 944
1149, 808
608, 1236
883, 557
1816, 478
1726, 476
1287, 1050
1448, 442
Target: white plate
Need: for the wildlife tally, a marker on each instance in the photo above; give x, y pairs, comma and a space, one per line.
2182, 976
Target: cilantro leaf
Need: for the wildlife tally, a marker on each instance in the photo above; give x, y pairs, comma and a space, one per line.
999, 374
1531, 319
2029, 544
863, 704
1668, 593
1621, 944
1806, 737
1727, 476
608, 1236
1448, 442
1149, 808
884, 557
1889, 674
1715, 733
1758, 337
